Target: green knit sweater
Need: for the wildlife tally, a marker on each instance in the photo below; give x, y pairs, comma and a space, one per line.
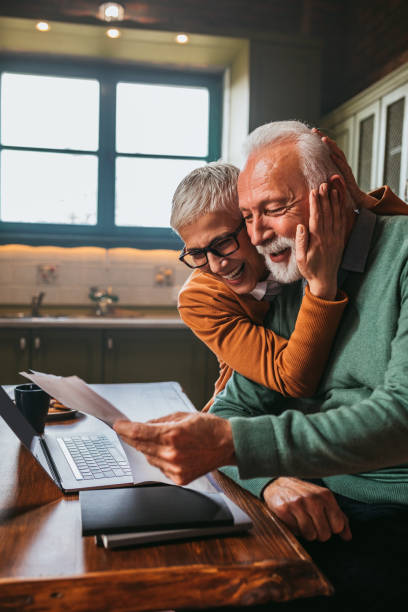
354, 432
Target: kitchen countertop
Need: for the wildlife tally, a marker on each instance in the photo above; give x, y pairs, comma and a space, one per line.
158, 318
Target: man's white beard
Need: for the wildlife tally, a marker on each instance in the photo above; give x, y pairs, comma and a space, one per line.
283, 272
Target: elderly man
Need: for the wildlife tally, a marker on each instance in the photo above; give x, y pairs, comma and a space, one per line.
358, 420
353, 432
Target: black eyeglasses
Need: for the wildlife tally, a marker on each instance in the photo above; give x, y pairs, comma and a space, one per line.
221, 247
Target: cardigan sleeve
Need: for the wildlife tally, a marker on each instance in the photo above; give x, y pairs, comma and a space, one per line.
231, 326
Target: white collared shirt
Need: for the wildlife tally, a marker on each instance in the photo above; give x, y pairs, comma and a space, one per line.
266, 289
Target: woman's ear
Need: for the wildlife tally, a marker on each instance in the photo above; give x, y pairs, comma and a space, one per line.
336, 181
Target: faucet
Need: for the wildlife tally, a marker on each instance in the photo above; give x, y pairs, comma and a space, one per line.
104, 299
36, 302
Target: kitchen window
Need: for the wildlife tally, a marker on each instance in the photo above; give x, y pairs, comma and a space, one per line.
93, 155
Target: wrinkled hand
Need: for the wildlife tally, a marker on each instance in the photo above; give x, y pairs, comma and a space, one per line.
182, 445
360, 198
310, 511
319, 250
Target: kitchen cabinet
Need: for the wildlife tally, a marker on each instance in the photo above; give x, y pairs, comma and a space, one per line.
372, 130
114, 356
59, 351
67, 351
14, 354
148, 355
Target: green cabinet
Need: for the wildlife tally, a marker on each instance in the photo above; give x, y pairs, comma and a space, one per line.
59, 351
14, 354
154, 355
65, 351
149, 354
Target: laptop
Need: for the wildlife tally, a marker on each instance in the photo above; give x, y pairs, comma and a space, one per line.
91, 460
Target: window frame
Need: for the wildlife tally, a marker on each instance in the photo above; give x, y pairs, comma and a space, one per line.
105, 233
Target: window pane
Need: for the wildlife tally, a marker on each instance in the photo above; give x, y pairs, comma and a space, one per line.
162, 120
393, 144
49, 112
48, 187
145, 187
365, 152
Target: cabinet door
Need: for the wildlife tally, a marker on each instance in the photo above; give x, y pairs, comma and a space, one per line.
365, 146
343, 134
393, 162
153, 355
68, 351
14, 354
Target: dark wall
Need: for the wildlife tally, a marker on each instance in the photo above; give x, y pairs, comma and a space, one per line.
284, 81
361, 40
377, 41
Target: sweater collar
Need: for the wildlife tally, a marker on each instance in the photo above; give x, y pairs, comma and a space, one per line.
358, 245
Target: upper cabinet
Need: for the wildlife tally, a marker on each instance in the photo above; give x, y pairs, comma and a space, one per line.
372, 130
393, 141
364, 142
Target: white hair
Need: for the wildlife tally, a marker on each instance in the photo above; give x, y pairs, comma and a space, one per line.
314, 155
210, 188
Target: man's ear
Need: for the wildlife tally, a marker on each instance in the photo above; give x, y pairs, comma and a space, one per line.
336, 181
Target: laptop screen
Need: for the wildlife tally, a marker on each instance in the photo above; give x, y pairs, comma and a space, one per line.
16, 421
23, 430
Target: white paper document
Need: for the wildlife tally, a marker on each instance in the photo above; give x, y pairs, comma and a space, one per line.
134, 401
74, 393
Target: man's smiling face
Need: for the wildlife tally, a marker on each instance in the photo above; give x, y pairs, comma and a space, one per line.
242, 269
274, 199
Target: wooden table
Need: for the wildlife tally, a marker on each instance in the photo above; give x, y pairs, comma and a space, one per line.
45, 564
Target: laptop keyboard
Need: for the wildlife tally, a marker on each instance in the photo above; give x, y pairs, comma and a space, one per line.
92, 457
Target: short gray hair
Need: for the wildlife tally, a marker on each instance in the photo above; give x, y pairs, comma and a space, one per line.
314, 155
210, 188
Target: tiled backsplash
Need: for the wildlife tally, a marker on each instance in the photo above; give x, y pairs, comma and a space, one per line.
133, 274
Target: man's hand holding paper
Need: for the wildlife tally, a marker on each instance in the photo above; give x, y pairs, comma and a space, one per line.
182, 445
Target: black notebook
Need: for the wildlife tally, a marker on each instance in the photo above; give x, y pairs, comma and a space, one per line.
150, 508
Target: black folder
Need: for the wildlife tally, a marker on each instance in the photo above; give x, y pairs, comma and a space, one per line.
149, 508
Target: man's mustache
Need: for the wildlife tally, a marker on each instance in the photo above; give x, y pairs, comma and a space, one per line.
275, 245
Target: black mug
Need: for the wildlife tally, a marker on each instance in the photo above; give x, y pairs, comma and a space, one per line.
33, 404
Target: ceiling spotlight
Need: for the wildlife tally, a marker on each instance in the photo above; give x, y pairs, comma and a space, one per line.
182, 39
113, 33
111, 11
42, 26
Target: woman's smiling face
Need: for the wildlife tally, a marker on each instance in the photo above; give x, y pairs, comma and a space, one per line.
241, 270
